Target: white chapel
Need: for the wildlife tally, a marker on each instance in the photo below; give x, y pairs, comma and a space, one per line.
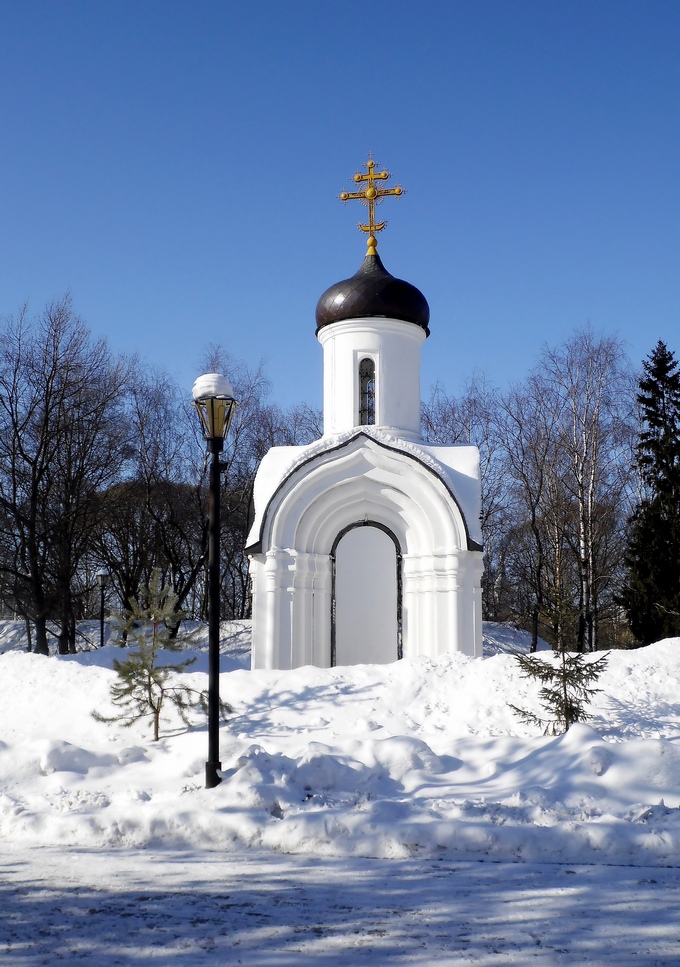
365, 545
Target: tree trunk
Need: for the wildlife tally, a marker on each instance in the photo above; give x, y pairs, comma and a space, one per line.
534, 630
64, 637
41, 636
71, 633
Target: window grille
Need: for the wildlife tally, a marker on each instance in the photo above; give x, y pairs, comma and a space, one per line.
366, 392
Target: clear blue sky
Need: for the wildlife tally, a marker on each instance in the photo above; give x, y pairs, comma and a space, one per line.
175, 165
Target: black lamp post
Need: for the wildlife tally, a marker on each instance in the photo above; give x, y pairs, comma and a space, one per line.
102, 581
214, 400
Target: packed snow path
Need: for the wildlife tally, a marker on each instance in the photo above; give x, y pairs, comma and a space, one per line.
128, 908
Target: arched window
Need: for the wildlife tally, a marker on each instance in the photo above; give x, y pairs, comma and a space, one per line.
366, 392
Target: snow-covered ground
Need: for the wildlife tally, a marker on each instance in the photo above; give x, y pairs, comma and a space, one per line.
210, 909
364, 810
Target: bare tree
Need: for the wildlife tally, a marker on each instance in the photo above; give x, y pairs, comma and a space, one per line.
169, 477
472, 419
62, 438
529, 425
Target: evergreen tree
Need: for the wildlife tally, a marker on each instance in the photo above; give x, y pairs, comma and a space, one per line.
144, 684
651, 594
567, 688
659, 446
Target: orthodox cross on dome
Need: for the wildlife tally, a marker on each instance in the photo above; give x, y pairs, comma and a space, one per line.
371, 196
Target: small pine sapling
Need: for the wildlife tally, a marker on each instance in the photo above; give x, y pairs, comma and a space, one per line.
567, 688
144, 684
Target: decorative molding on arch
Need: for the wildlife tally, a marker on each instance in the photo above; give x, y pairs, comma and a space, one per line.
311, 482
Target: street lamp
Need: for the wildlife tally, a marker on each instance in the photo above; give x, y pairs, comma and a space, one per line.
102, 581
214, 400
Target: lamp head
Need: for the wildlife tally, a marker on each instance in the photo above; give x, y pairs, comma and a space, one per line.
215, 403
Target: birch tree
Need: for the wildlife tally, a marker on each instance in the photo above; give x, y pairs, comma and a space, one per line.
592, 378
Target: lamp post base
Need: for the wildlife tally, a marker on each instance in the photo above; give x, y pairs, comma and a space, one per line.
212, 778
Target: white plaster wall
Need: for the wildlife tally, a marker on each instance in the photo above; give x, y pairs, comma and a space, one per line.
358, 482
394, 346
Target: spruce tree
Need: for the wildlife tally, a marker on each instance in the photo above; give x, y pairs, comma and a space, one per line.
146, 683
651, 593
568, 681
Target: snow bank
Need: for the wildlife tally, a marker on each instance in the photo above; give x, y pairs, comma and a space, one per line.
410, 758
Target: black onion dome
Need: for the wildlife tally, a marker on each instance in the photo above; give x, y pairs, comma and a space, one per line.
373, 292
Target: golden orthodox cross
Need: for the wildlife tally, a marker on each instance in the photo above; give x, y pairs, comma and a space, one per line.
370, 196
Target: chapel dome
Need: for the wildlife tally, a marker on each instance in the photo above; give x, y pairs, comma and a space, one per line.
372, 291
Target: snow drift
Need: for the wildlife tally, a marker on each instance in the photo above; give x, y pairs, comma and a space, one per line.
394, 760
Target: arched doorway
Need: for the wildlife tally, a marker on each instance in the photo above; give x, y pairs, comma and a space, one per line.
366, 596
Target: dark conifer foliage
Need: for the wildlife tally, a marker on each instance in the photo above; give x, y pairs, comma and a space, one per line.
147, 682
568, 681
659, 447
651, 594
